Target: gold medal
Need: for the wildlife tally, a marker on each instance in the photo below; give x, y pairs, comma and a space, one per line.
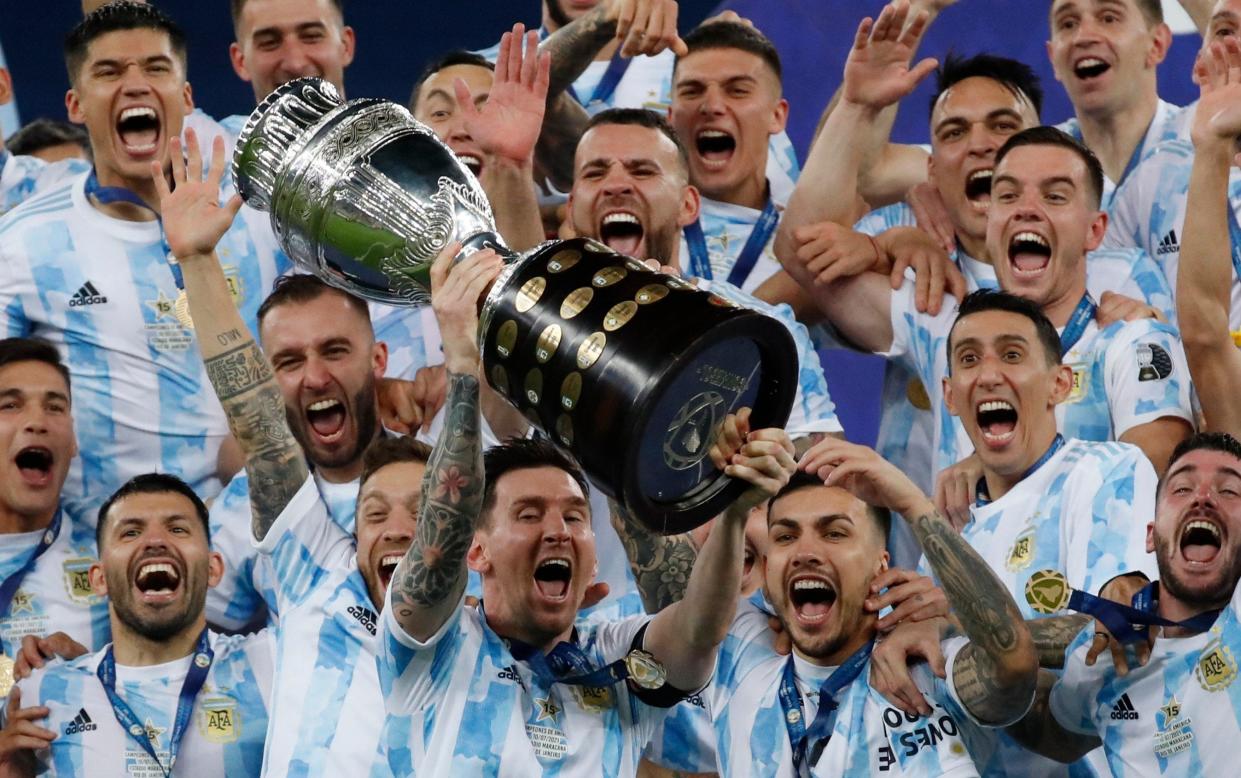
1048, 591
645, 670
915, 392
181, 309
6, 675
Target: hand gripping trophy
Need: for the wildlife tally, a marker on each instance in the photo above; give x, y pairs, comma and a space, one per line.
631, 370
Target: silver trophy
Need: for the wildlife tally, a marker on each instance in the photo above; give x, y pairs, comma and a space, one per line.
631, 370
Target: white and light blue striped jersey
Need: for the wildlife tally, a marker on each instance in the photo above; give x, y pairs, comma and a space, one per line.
647, 83
411, 334
870, 737
55, 595
1148, 212
103, 291
460, 704
248, 588
22, 176
225, 736
726, 228
326, 710
1125, 375
1179, 715
813, 409
1169, 123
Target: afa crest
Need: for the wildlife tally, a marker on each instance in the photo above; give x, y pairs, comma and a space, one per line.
1022, 553
77, 581
220, 721
1216, 668
1081, 383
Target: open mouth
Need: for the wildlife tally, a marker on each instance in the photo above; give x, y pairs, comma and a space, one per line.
978, 189
1090, 67
35, 465
622, 232
812, 599
552, 578
327, 419
473, 162
997, 420
157, 581
387, 568
1029, 253
715, 148
1200, 541
138, 128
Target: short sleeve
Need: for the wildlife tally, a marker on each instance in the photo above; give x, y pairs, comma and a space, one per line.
749, 642
1074, 696
1147, 376
415, 673
918, 337
304, 545
236, 600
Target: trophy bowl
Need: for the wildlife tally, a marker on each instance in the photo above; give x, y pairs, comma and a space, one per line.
631, 370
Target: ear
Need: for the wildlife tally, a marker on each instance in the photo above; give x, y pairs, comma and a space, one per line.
691, 204
379, 359
949, 397
238, 60
1150, 537
98, 581
188, 96
1161, 41
779, 117
1062, 384
1096, 231
6, 86
884, 559
349, 41
476, 558
73, 107
215, 569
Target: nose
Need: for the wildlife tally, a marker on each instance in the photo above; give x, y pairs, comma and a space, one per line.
315, 374
134, 81
555, 528
712, 101
456, 128
617, 181
1086, 32
806, 557
35, 419
399, 530
295, 60
982, 140
989, 373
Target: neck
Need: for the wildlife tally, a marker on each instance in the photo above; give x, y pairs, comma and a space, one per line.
750, 192
1000, 484
865, 632
1113, 136
507, 627
12, 522
343, 474
144, 188
1174, 609
132, 649
975, 247
1059, 311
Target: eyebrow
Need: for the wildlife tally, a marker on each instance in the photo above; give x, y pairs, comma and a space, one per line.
972, 342
279, 31
1223, 15
17, 393
1192, 468
112, 63
996, 114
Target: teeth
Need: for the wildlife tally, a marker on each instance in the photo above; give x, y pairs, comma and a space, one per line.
713, 134
809, 584
1031, 237
1206, 525
157, 567
470, 160
994, 405
130, 113
558, 562
1090, 62
390, 559
322, 405
977, 174
613, 218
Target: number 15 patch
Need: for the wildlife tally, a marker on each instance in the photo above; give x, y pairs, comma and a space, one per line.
1154, 362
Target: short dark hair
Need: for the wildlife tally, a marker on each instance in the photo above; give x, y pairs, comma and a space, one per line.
640, 117
236, 7
1201, 441
44, 133
13, 350
386, 451
524, 454
303, 288
998, 300
803, 480
117, 16
1017, 77
1051, 136
451, 59
1152, 10
732, 35
152, 483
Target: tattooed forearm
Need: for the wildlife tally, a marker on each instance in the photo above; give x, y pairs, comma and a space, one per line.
996, 672
432, 572
1053, 635
563, 125
574, 46
660, 564
256, 414
1039, 731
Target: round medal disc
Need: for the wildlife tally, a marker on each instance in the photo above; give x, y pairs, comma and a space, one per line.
645, 670
1048, 591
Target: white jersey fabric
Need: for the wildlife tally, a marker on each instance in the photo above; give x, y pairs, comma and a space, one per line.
22, 176
1148, 212
1178, 715
55, 595
726, 228
103, 291
460, 704
224, 738
869, 737
326, 709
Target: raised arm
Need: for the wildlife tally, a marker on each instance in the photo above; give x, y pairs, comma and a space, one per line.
1204, 279
660, 564
194, 221
430, 578
686, 635
994, 675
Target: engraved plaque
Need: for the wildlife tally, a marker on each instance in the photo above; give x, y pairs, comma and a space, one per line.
563, 260
608, 276
547, 344
619, 315
506, 338
534, 386
530, 293
576, 302
564, 429
651, 293
570, 391
588, 353
499, 379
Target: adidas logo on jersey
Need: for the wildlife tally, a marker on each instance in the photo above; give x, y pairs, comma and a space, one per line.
81, 723
87, 294
1168, 244
365, 615
1123, 710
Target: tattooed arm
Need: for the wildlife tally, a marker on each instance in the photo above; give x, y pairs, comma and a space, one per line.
1039, 731
430, 578
995, 673
661, 564
194, 222
1053, 635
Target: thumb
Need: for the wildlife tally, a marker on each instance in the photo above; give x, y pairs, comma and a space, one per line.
939, 665
679, 47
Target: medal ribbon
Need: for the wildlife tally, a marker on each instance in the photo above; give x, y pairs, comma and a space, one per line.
1129, 624
11, 584
607, 85
983, 497
760, 234
814, 740
125, 716
1081, 317
105, 195
567, 664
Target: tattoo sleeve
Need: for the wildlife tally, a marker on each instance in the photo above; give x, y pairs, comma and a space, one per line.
995, 674
660, 565
574, 46
432, 573
1053, 635
1039, 731
256, 414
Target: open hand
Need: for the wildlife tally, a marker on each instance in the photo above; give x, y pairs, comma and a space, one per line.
865, 474
877, 72
1218, 116
36, 649
507, 126
193, 218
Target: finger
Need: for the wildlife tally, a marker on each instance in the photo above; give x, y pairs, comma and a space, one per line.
513, 71
624, 19
530, 62
914, 29
922, 289
671, 39
194, 156
542, 80
935, 289
1098, 644
30, 652
465, 99
883, 24
636, 40
1119, 657
160, 181
1143, 653
956, 281
655, 41
863, 33
442, 263
177, 159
